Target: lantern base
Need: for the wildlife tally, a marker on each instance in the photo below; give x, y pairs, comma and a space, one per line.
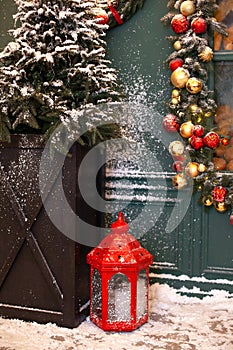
119, 326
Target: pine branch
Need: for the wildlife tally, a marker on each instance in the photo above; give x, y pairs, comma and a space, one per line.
167, 18
56, 64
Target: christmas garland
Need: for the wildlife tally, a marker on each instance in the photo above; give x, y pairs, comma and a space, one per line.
116, 12
192, 106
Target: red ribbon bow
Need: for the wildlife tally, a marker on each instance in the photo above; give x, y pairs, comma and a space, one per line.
115, 13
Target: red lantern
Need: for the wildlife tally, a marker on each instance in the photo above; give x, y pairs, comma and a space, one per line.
119, 280
179, 24
219, 193
170, 123
211, 139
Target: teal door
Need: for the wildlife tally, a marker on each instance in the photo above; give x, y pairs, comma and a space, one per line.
197, 248
7, 9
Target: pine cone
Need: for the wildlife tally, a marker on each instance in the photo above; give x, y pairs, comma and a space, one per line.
206, 55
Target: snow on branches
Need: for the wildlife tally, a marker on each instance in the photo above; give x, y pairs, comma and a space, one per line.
55, 64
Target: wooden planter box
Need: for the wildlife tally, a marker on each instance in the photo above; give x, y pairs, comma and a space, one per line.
43, 274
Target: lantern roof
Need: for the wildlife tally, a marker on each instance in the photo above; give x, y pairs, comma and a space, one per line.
119, 248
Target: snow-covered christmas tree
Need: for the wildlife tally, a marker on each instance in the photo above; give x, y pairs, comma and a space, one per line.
56, 64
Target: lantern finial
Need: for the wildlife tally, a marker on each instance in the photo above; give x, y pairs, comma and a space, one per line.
120, 223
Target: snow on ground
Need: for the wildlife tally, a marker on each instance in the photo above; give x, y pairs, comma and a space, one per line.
176, 323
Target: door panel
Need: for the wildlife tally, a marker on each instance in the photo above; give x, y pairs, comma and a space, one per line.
219, 238
198, 251
138, 50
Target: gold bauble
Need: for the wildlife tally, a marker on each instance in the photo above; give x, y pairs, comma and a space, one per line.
196, 113
206, 55
207, 114
187, 8
202, 168
175, 101
193, 85
177, 45
197, 119
179, 181
186, 129
179, 77
207, 200
220, 206
175, 93
191, 169
195, 109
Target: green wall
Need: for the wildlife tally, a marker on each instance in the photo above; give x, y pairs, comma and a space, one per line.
7, 9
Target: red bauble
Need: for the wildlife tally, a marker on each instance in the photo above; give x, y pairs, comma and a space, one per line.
231, 219
170, 123
196, 142
199, 25
211, 139
176, 63
179, 24
180, 158
219, 193
225, 141
198, 130
177, 166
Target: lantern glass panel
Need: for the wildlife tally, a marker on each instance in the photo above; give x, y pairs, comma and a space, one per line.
142, 287
96, 302
119, 297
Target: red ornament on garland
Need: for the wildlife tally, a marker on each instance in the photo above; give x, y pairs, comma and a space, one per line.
179, 24
211, 139
176, 63
180, 158
219, 193
170, 123
199, 25
196, 142
225, 141
177, 166
102, 17
198, 130
231, 218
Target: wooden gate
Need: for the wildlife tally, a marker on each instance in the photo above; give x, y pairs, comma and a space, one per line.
43, 274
